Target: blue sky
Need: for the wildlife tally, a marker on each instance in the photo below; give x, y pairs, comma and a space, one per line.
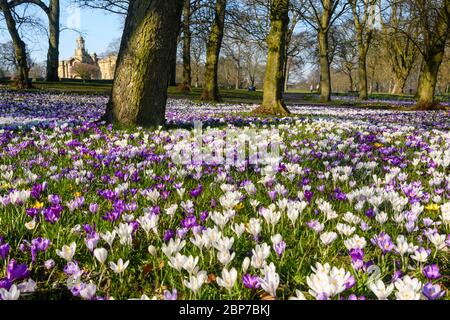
98, 28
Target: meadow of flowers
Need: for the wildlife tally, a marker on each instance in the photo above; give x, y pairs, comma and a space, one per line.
356, 205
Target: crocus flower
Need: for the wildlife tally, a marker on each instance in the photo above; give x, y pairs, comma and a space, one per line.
431, 272
433, 292
17, 271
4, 250
171, 295
251, 281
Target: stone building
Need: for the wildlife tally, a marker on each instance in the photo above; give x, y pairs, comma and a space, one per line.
103, 68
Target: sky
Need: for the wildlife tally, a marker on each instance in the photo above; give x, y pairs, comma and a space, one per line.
97, 27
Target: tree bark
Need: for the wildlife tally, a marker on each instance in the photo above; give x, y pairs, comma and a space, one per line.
22, 82
362, 72
53, 41
399, 85
211, 89
187, 79
350, 79
148, 45
325, 78
427, 81
274, 78
173, 68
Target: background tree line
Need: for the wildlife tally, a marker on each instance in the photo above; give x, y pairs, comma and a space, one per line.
353, 45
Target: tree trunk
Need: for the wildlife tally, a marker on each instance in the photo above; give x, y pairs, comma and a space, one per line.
399, 85
148, 45
53, 41
362, 72
427, 81
173, 68
287, 70
186, 87
350, 79
20, 51
274, 79
211, 87
325, 78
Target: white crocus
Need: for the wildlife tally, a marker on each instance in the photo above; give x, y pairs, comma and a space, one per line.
177, 262
445, 213
88, 292
228, 278
101, 254
67, 252
109, 237
298, 296
328, 237
380, 290
245, 264
119, 267
260, 254
195, 282
12, 294
152, 250
408, 288
173, 247
271, 280
124, 231
190, 265
355, 242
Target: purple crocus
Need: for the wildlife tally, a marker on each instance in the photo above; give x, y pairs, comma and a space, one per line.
38, 245
189, 222
53, 213
251, 282
17, 271
5, 283
4, 250
431, 271
397, 275
169, 234
308, 195
197, 191
433, 292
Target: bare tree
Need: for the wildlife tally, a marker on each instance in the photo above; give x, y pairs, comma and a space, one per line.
364, 19
22, 81
321, 15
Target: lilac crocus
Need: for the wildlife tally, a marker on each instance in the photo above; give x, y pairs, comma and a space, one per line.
49, 264
93, 208
431, 271
71, 268
171, 295
433, 292
351, 282
279, 247
251, 281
